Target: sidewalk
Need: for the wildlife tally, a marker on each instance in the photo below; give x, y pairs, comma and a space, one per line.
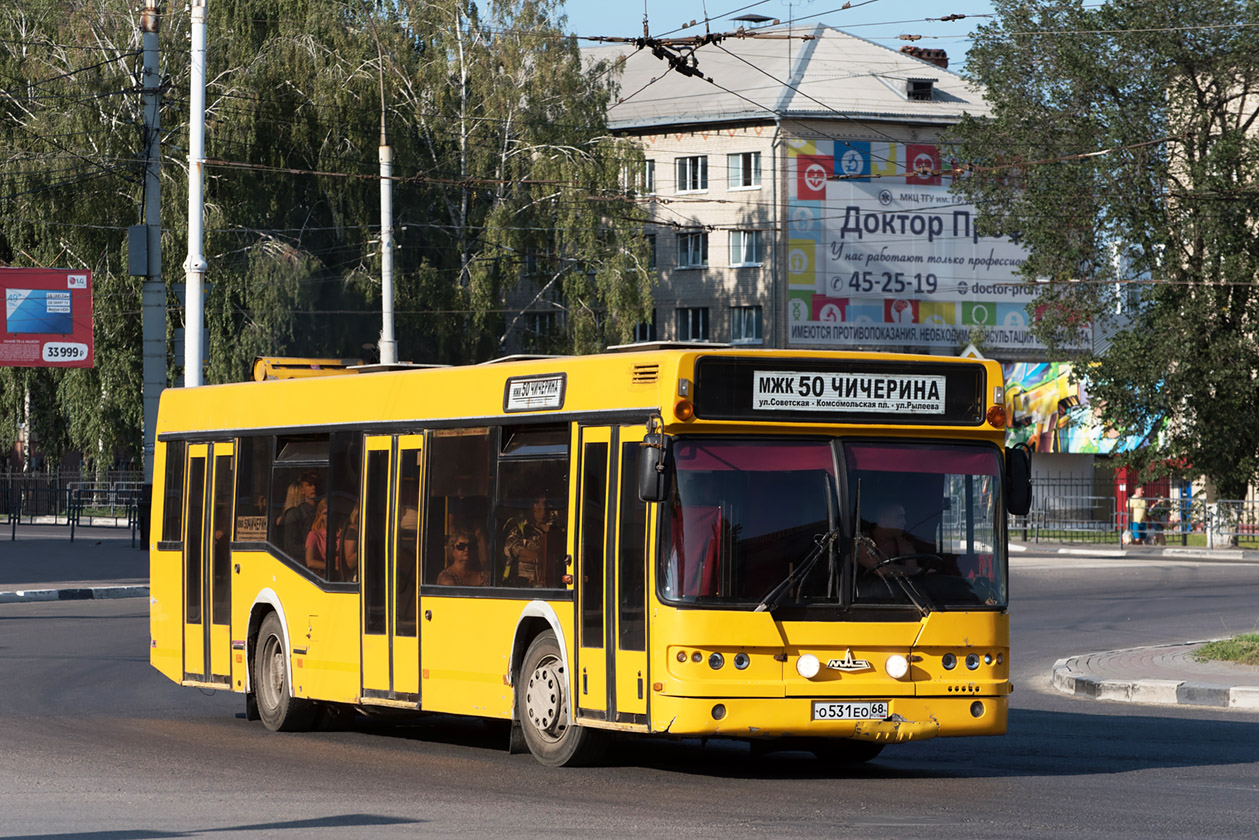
1163, 675
43, 565
1136, 552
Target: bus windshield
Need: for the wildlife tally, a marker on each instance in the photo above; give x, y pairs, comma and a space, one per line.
745, 516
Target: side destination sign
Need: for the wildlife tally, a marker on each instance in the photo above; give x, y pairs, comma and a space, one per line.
782, 390
534, 393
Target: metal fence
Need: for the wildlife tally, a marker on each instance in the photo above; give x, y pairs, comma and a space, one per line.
115, 500
1082, 510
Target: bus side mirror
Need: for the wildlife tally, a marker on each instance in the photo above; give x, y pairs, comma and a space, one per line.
653, 469
1018, 480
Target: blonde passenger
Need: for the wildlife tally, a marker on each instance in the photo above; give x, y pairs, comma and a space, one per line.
317, 539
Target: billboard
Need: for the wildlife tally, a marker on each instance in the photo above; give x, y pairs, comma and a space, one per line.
47, 318
881, 254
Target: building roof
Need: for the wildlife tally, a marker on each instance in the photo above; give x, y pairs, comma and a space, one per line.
832, 74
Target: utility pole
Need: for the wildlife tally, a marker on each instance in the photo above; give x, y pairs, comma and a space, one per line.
194, 267
154, 294
388, 346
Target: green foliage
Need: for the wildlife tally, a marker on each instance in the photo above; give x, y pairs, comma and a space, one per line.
500, 148
1121, 146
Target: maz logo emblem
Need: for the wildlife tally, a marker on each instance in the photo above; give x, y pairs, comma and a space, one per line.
848, 663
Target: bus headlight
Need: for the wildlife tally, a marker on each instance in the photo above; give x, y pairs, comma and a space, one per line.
896, 666
807, 666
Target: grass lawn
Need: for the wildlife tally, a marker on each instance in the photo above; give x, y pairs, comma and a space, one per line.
1243, 649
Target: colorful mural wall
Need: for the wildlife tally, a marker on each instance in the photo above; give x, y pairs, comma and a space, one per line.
1050, 413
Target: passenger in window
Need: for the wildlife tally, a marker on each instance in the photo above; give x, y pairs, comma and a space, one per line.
533, 543
317, 539
463, 567
347, 547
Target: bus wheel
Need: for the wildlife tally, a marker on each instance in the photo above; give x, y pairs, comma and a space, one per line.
844, 750
543, 706
279, 709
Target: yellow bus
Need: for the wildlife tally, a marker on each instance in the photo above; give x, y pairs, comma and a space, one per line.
794, 548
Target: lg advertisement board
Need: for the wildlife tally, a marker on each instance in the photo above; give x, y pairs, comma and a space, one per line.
47, 318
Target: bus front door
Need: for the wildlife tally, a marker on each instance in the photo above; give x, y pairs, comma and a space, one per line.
611, 672
389, 565
207, 563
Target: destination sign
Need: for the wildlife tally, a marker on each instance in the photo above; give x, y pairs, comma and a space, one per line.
781, 390
534, 393
834, 389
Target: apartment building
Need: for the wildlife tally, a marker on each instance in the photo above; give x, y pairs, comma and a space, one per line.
796, 190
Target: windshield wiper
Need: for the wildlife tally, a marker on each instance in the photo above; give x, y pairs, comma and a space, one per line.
823, 546
887, 566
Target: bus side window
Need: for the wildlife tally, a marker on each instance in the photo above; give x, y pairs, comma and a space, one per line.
531, 514
173, 496
460, 468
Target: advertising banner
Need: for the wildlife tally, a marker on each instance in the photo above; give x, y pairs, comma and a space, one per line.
47, 318
881, 254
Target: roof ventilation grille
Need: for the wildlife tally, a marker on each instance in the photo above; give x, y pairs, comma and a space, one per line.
644, 374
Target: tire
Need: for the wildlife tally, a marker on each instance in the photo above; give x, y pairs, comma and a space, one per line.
544, 709
845, 751
279, 710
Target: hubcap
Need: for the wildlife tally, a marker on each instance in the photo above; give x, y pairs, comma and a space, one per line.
544, 699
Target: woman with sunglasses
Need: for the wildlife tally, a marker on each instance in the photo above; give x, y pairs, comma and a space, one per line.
462, 566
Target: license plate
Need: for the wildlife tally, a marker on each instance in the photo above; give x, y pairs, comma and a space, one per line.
831, 710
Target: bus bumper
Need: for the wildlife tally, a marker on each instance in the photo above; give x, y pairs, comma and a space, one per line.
910, 718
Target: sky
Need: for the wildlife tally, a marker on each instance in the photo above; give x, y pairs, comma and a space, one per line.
881, 21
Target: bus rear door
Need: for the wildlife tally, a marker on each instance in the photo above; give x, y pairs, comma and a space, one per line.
207, 563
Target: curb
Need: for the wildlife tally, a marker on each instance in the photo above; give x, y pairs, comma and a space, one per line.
84, 593
1219, 555
1153, 691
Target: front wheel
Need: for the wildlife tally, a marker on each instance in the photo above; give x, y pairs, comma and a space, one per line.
279, 709
545, 710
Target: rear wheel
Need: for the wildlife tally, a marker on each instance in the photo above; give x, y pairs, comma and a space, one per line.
279, 710
545, 711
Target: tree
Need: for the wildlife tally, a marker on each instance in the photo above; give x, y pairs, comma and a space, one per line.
1121, 146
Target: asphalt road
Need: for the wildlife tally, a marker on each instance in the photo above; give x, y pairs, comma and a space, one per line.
95, 744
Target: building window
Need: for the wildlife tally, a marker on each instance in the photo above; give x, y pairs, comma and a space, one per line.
745, 325
649, 177
692, 173
646, 330
539, 328
692, 250
639, 179
693, 324
745, 247
651, 251
745, 170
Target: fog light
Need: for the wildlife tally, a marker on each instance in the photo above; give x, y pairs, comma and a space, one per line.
716, 661
741, 660
949, 661
719, 711
976, 709
897, 666
697, 657
681, 656
972, 661
807, 666
987, 658
1000, 658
